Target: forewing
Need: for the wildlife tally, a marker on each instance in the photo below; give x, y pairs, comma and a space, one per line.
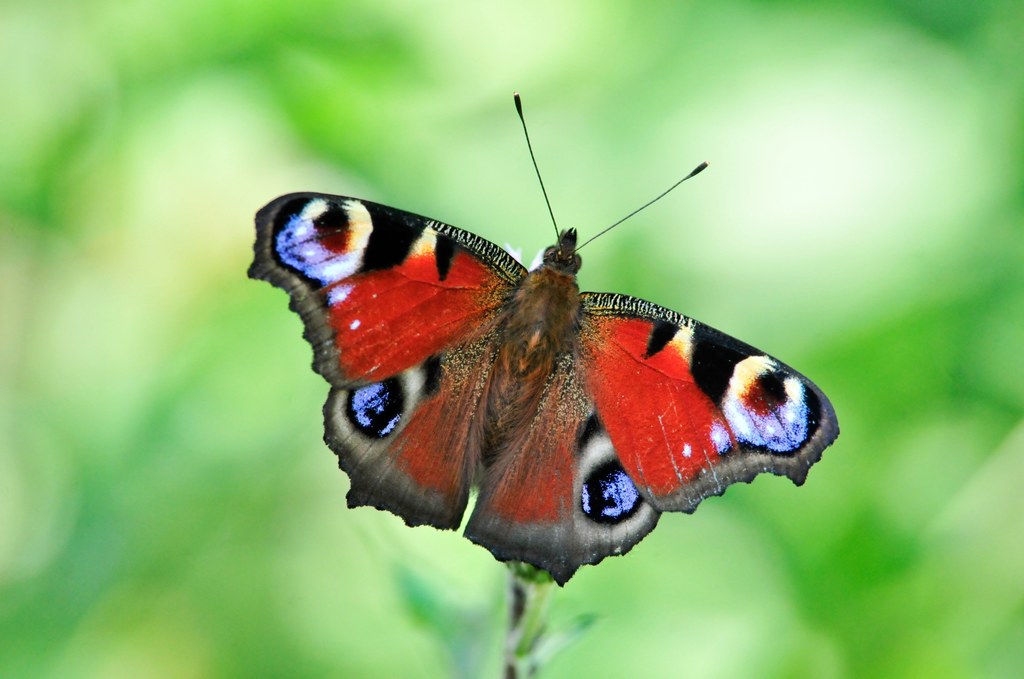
379, 290
691, 410
399, 310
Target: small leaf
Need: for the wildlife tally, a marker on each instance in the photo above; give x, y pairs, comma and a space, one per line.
426, 603
551, 644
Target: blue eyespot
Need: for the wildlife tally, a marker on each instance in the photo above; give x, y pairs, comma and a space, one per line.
609, 495
781, 429
375, 410
298, 246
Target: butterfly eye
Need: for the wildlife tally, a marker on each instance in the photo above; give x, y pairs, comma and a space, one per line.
376, 409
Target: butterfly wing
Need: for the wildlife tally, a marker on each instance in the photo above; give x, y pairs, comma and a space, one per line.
653, 412
560, 499
691, 410
648, 411
379, 289
396, 307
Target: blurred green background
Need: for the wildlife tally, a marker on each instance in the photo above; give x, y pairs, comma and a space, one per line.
167, 506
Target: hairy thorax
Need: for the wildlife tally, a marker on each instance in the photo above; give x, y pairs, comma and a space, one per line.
537, 329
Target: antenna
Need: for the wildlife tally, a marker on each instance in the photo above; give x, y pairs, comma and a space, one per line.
519, 110
697, 170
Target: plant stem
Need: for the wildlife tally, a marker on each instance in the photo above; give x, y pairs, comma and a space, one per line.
529, 599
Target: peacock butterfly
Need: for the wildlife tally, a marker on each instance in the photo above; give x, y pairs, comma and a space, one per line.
579, 417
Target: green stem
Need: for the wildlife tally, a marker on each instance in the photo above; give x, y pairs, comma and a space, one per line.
529, 599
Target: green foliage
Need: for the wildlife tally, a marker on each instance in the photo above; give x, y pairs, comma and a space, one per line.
167, 506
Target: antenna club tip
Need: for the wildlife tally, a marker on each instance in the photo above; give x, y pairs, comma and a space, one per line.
697, 170
519, 102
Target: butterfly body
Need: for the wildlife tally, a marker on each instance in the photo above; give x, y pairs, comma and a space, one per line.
536, 329
579, 417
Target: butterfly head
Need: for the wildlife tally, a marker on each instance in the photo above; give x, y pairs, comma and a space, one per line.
563, 257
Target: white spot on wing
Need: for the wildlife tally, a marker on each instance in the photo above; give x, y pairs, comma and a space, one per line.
720, 437
355, 324
338, 293
746, 372
313, 209
359, 223
337, 268
682, 342
425, 244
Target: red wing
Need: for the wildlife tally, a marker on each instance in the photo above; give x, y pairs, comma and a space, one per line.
555, 496
398, 309
691, 410
379, 290
400, 445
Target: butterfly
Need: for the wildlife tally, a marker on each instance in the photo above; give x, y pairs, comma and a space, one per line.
578, 417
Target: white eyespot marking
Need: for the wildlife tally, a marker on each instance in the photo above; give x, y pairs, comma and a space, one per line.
687, 451
360, 224
720, 438
682, 342
759, 419
338, 294
301, 230
746, 372
313, 209
354, 324
339, 268
425, 244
